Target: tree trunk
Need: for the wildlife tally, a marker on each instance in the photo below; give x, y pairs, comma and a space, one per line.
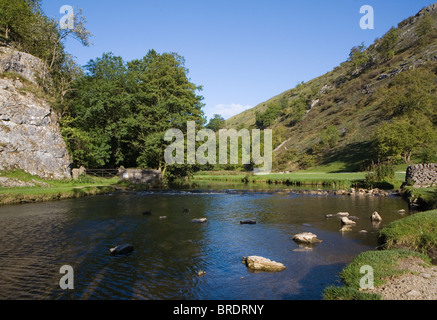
163, 171
6, 32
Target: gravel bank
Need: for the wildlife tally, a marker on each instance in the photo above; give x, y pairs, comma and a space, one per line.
420, 283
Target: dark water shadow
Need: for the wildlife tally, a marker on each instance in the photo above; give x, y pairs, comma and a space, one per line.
316, 281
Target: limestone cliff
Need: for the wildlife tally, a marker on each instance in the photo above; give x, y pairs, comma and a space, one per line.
30, 137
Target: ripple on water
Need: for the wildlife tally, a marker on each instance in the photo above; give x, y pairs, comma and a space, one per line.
38, 239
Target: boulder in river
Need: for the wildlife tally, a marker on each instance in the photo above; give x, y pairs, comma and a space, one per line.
345, 229
122, 249
306, 238
248, 222
376, 217
257, 263
338, 215
347, 222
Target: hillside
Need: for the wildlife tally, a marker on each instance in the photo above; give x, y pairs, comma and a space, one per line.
331, 121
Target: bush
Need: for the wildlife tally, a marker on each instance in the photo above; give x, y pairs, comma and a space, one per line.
379, 173
267, 118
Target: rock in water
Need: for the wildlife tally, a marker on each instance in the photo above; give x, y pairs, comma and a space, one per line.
257, 263
201, 220
348, 222
338, 215
306, 237
122, 249
376, 217
248, 222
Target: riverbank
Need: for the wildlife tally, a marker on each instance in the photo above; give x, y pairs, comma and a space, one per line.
408, 246
313, 179
18, 187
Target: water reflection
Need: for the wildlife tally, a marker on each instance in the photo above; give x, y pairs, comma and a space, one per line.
37, 239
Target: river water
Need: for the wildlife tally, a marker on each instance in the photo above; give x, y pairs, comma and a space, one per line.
38, 239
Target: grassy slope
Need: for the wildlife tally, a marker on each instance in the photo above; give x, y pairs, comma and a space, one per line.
346, 104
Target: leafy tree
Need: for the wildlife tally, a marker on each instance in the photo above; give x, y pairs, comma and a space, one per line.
411, 92
216, 123
359, 57
386, 45
79, 32
425, 24
164, 99
400, 138
100, 104
267, 118
298, 108
330, 137
15, 19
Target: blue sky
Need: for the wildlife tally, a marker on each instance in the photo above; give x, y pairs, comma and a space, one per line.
242, 52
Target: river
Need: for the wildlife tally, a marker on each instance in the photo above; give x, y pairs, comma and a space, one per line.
38, 239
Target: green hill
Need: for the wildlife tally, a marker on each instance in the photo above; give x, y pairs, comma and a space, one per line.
340, 121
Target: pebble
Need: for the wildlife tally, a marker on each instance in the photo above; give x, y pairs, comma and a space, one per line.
413, 293
419, 284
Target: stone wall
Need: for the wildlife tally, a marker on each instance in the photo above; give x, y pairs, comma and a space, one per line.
139, 176
423, 175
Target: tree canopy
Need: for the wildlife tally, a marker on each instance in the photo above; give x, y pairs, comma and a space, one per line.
119, 111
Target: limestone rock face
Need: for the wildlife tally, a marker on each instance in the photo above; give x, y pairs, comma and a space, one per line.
22, 64
30, 136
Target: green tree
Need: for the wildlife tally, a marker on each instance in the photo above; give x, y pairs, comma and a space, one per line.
425, 25
15, 20
216, 123
164, 99
386, 45
267, 118
411, 92
297, 110
359, 57
100, 104
330, 137
401, 137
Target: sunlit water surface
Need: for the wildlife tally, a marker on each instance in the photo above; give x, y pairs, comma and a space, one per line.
38, 239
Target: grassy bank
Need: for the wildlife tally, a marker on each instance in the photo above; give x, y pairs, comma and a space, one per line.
40, 190
423, 198
335, 180
414, 236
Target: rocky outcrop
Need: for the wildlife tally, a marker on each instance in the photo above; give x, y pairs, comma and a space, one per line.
22, 64
30, 136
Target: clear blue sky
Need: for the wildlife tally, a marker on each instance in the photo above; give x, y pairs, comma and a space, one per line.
242, 52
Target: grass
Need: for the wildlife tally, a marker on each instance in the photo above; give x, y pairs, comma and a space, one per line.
385, 266
313, 177
47, 190
417, 232
413, 236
